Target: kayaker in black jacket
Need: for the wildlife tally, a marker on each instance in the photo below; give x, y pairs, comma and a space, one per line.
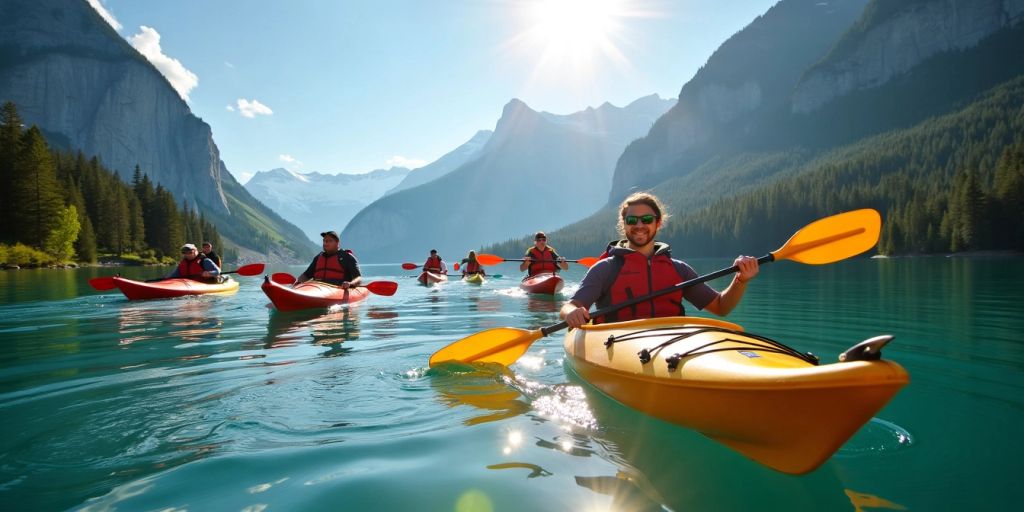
639, 265
334, 265
212, 256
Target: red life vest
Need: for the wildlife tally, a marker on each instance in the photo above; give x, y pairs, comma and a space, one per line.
191, 269
472, 267
433, 264
328, 268
541, 261
638, 276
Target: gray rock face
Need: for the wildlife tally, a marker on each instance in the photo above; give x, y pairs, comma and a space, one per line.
69, 73
884, 48
446, 164
752, 72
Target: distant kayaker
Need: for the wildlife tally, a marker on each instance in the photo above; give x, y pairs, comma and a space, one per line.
333, 265
208, 252
542, 258
471, 267
194, 265
435, 264
639, 265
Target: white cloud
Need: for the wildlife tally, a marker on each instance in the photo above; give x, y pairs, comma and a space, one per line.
253, 108
291, 163
105, 14
228, 64
147, 42
230, 108
409, 163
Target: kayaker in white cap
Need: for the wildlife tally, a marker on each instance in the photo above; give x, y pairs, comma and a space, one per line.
195, 265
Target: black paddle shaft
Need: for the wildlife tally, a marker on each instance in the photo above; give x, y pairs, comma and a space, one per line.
767, 258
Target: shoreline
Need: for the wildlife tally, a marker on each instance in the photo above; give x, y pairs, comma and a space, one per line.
964, 254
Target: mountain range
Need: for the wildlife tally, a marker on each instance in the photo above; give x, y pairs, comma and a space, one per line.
318, 202
537, 171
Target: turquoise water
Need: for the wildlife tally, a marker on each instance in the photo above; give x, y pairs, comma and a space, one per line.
220, 403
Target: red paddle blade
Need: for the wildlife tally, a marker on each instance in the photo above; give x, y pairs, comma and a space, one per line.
456, 266
588, 261
252, 269
409, 266
387, 288
489, 259
282, 278
102, 283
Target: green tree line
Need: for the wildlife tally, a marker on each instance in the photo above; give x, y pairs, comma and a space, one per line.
67, 206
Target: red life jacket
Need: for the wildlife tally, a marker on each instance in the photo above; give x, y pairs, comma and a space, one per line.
472, 267
542, 261
328, 268
433, 264
192, 269
638, 276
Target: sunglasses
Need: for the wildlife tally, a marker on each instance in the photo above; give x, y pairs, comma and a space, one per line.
538, 239
631, 220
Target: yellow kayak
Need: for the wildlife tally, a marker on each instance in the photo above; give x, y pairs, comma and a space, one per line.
474, 279
757, 396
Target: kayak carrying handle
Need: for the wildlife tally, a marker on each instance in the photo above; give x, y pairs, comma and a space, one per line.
867, 350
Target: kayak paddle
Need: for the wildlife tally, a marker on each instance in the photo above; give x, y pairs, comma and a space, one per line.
386, 288
490, 259
107, 283
823, 241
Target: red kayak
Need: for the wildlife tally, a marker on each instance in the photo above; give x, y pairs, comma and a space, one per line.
311, 295
429, 278
166, 288
547, 283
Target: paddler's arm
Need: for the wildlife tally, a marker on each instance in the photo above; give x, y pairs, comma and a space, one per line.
209, 268
308, 274
730, 298
351, 266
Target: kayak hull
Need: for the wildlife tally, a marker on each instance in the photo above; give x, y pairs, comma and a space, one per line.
167, 288
474, 279
776, 409
429, 278
546, 283
311, 295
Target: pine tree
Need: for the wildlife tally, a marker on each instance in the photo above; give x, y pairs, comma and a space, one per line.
10, 148
36, 194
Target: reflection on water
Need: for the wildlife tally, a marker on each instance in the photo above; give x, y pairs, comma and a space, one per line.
860, 501
629, 491
337, 325
187, 318
534, 470
483, 386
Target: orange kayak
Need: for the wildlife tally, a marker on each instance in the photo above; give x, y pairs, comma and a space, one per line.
754, 395
311, 295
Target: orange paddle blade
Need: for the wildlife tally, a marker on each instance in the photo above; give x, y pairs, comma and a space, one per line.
501, 345
282, 278
489, 259
833, 238
387, 288
410, 266
588, 261
252, 269
102, 283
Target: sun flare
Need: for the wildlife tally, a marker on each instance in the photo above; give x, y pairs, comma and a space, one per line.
573, 36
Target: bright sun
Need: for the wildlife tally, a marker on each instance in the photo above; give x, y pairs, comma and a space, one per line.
575, 35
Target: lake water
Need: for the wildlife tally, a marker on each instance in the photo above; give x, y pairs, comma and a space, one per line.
221, 403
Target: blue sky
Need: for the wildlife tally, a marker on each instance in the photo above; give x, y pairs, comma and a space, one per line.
340, 86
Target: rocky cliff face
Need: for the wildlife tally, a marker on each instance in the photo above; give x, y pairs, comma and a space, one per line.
894, 37
751, 74
72, 75
66, 73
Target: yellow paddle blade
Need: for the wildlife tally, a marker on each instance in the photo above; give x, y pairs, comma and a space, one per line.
501, 345
833, 238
